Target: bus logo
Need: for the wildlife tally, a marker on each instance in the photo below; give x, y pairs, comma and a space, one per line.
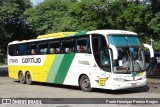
102, 81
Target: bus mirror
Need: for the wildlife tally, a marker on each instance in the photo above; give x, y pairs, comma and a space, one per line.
150, 49
115, 52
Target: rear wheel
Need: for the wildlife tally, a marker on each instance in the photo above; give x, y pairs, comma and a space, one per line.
28, 78
85, 83
21, 78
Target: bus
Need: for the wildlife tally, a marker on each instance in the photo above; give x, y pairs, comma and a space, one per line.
104, 59
153, 66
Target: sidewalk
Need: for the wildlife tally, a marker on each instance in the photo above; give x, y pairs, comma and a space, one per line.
3, 66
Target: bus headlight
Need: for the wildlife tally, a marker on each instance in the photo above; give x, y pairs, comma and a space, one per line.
119, 79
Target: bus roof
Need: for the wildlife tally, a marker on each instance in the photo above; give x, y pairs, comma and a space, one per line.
106, 32
57, 35
69, 34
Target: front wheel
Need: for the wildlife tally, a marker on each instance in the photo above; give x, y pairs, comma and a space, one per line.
85, 84
28, 78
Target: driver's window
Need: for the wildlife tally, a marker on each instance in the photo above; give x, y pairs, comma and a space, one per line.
105, 57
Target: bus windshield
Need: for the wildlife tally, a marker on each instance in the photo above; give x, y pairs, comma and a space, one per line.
130, 54
123, 40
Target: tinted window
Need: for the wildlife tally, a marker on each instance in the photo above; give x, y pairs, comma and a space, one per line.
13, 50
33, 50
55, 47
23, 49
43, 48
68, 45
83, 45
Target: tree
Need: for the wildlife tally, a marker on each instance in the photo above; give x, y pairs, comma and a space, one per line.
140, 16
153, 22
131, 15
154, 25
88, 15
12, 24
49, 16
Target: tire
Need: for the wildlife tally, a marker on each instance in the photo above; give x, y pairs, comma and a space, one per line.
21, 78
85, 84
28, 78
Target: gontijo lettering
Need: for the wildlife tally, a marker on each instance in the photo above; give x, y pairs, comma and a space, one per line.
31, 60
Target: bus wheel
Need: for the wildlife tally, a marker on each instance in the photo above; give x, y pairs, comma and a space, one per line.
28, 78
85, 84
21, 78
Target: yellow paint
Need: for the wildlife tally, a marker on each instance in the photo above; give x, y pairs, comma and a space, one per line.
141, 74
49, 60
57, 35
102, 81
38, 73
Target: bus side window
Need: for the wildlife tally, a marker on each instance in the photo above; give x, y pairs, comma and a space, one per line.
54, 47
43, 48
16, 50
13, 50
81, 49
68, 45
82, 44
23, 49
33, 49
33, 52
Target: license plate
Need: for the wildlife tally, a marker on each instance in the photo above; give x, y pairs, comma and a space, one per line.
133, 84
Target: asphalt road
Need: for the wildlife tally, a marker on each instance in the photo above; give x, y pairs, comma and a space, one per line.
10, 88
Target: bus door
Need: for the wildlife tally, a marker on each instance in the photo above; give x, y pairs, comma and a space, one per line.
101, 53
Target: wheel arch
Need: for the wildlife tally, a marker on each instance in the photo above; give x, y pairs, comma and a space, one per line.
26, 72
19, 71
81, 76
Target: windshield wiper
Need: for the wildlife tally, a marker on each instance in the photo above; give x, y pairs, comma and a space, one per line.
139, 65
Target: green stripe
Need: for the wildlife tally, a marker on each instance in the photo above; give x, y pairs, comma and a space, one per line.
54, 68
80, 33
64, 67
136, 74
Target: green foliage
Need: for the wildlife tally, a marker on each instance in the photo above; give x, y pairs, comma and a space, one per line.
88, 15
49, 16
125, 15
155, 23
12, 24
155, 26
132, 17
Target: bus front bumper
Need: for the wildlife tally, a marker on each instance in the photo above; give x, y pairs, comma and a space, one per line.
116, 85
